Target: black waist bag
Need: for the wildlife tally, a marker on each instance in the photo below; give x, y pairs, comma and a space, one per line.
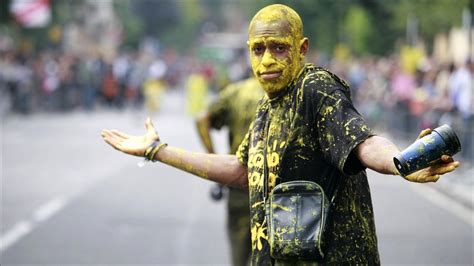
296, 214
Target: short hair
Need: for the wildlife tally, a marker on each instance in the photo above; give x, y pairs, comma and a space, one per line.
277, 12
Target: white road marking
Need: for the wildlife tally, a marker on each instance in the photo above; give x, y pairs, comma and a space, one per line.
23, 228
43, 213
447, 203
49, 209
20, 230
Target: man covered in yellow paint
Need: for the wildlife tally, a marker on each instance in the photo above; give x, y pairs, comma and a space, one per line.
197, 87
234, 109
305, 128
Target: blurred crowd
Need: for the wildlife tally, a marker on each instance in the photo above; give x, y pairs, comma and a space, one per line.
396, 99
54, 81
57, 81
404, 101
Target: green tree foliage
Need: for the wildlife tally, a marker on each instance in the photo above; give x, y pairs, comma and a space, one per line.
357, 26
433, 16
173, 23
157, 16
183, 34
132, 26
4, 12
382, 36
327, 21
366, 26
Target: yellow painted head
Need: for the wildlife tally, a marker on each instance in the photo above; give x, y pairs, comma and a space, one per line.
277, 47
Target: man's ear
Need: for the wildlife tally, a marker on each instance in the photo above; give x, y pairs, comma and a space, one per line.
304, 46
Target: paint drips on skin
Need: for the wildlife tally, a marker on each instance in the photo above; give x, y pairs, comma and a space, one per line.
179, 162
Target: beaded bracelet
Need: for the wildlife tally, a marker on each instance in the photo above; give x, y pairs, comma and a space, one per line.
153, 149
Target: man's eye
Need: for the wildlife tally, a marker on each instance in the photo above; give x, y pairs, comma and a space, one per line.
280, 48
258, 49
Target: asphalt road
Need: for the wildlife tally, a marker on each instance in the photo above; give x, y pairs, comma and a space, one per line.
68, 198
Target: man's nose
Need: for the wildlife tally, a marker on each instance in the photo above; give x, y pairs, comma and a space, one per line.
267, 58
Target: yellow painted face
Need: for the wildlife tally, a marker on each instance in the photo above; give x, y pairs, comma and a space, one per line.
275, 41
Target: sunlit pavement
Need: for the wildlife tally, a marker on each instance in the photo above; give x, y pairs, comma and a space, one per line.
68, 198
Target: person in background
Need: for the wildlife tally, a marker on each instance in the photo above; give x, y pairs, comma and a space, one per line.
197, 88
234, 109
154, 85
461, 87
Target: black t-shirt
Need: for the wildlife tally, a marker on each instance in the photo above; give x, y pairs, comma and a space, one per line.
308, 133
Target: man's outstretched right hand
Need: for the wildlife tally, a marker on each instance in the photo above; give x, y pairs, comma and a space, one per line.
133, 145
